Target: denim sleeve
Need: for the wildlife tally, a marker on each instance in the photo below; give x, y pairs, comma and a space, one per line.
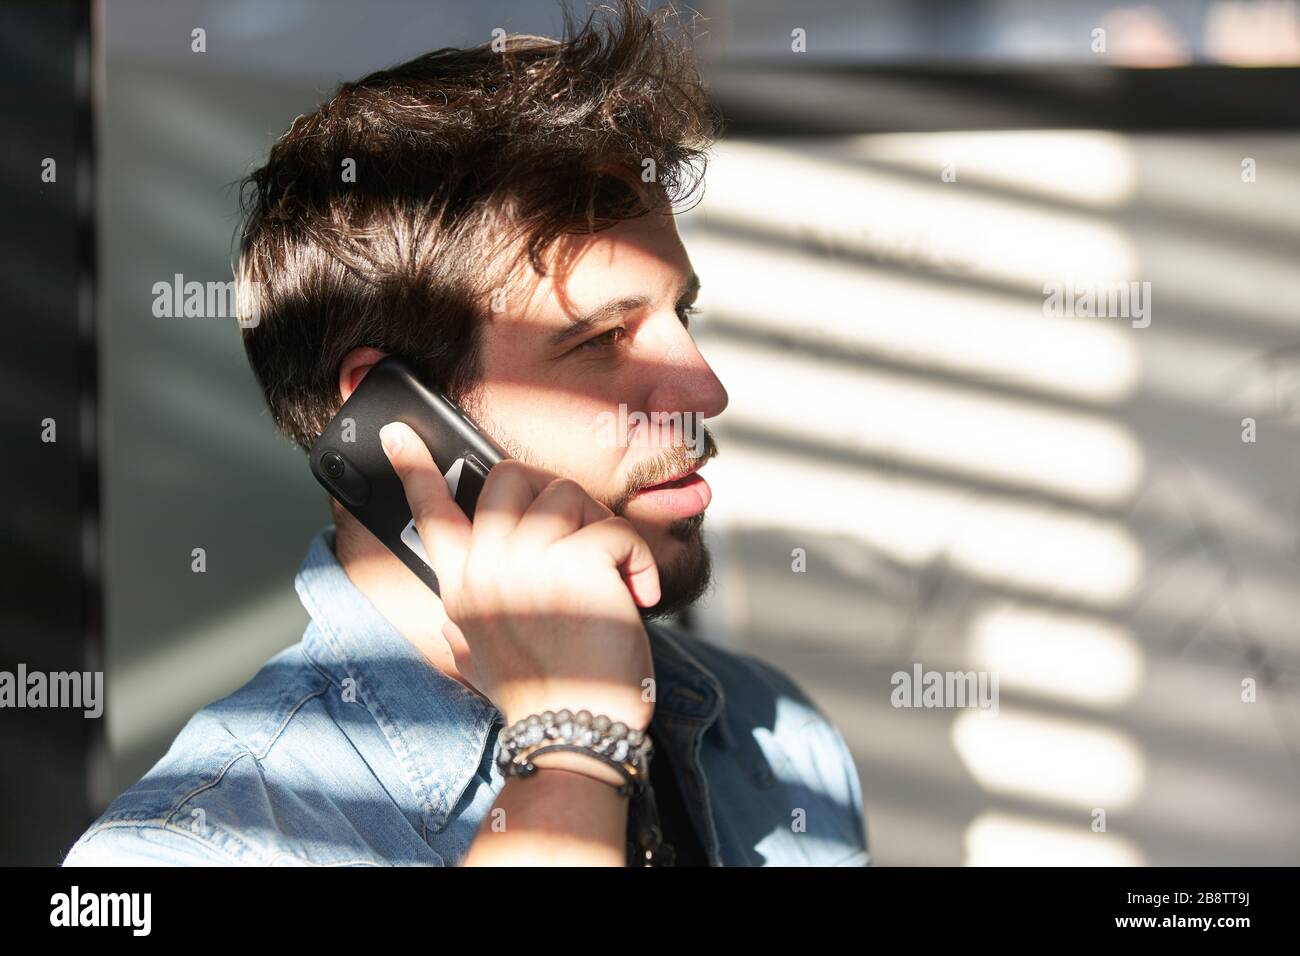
143, 844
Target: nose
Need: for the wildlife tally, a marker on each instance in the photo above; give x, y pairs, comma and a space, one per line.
684, 382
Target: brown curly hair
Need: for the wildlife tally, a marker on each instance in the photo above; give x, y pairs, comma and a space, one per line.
468, 162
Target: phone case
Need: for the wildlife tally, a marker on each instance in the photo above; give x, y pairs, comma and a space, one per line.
350, 463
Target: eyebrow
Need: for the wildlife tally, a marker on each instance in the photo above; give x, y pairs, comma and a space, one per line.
602, 313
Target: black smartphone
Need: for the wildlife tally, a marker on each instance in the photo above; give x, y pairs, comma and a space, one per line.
350, 462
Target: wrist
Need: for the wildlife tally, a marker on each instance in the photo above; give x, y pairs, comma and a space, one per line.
591, 744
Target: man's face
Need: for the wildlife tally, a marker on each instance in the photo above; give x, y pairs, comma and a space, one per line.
590, 372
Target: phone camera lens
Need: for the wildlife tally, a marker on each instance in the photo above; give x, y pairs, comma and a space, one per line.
331, 464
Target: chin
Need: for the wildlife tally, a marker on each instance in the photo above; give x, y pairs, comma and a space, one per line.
685, 568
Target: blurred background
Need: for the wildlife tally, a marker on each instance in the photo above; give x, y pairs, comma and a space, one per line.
975, 484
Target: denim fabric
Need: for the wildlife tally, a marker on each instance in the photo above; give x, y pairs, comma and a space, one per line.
349, 748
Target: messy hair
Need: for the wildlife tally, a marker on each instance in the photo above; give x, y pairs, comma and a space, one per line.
388, 216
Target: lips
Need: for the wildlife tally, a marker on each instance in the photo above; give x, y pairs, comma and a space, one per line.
681, 497
675, 482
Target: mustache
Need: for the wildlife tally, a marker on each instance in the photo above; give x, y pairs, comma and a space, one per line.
679, 459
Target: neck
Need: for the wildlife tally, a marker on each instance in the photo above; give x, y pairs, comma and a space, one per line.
395, 591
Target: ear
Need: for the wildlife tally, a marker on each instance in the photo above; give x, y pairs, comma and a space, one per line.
354, 368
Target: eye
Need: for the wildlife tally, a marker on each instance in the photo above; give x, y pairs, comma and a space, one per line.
606, 340
684, 312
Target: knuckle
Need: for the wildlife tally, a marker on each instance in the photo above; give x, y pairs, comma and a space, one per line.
620, 524
422, 513
565, 487
504, 474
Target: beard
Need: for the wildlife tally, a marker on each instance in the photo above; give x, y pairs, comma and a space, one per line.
684, 579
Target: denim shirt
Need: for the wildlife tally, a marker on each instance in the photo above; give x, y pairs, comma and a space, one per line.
350, 749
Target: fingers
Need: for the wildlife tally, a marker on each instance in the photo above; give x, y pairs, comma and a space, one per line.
511, 487
443, 527
562, 508
627, 551
531, 505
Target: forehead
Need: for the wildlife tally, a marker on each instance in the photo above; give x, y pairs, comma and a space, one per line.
642, 256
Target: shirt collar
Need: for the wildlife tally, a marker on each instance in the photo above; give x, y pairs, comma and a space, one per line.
437, 727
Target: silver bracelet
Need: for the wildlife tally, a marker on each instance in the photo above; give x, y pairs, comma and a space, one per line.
613, 743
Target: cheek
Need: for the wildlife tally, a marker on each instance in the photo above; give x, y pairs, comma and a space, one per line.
580, 451
564, 435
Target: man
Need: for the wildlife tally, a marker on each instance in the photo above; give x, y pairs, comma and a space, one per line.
502, 220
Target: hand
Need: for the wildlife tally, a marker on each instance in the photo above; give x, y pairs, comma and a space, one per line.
541, 590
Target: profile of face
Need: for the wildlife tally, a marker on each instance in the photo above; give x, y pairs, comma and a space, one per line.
591, 372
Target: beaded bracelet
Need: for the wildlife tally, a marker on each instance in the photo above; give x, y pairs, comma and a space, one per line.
625, 749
